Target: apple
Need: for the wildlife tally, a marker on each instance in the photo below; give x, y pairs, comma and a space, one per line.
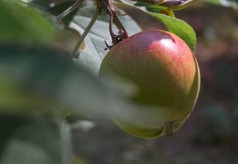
167, 75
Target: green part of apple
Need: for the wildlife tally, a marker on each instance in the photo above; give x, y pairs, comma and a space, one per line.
167, 75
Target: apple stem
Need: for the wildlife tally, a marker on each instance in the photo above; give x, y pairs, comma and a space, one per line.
122, 34
169, 129
86, 31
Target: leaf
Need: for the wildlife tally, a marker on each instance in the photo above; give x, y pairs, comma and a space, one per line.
40, 74
20, 24
59, 1
174, 25
94, 52
41, 71
8, 124
38, 141
225, 3
156, 8
12, 97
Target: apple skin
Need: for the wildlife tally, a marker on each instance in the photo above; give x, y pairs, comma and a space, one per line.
167, 75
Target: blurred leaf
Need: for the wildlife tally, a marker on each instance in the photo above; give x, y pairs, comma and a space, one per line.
156, 8
24, 25
174, 25
39, 71
225, 3
8, 124
12, 97
56, 10
38, 141
94, 52
59, 1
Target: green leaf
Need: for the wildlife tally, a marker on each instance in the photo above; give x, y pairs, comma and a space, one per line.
12, 97
24, 25
174, 25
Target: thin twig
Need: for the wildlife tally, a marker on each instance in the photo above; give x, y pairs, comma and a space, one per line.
69, 10
80, 41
